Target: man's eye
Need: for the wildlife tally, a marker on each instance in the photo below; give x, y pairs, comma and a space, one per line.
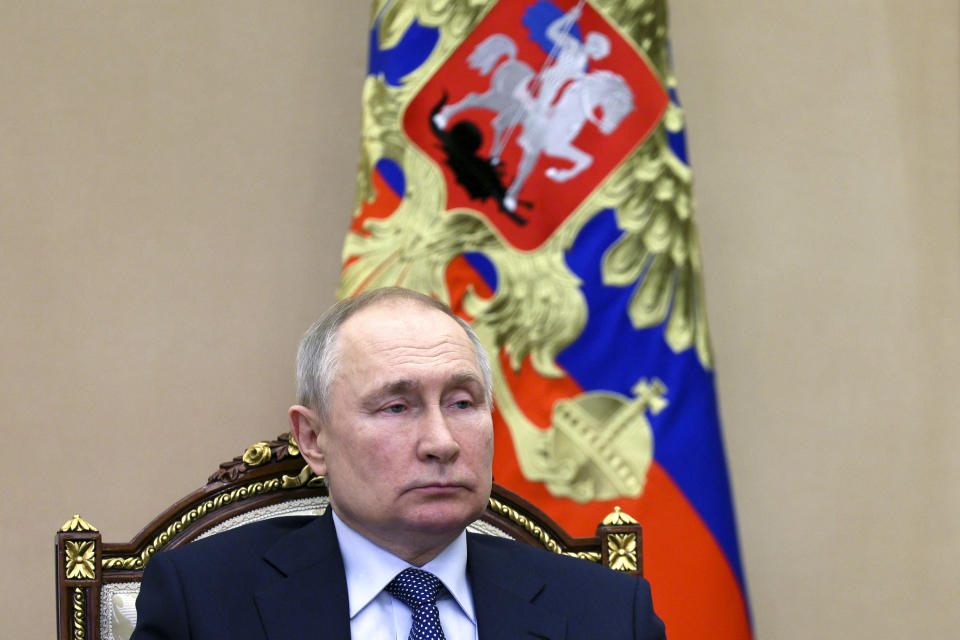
462, 404
395, 408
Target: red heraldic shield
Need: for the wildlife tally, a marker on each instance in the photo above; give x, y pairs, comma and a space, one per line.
538, 145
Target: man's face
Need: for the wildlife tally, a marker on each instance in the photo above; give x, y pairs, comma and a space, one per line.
408, 442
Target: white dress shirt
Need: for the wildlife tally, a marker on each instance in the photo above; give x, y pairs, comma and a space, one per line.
376, 615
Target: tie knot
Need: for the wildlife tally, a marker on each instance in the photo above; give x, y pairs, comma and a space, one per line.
415, 588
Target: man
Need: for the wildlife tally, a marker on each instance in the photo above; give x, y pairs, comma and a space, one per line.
394, 409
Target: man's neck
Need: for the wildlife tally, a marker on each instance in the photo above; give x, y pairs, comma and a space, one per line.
415, 549
369, 568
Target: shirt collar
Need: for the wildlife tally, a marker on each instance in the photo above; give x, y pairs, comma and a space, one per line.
369, 568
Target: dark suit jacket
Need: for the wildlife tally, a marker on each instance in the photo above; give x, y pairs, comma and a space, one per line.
283, 579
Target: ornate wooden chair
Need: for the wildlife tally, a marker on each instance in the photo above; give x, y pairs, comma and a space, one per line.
97, 582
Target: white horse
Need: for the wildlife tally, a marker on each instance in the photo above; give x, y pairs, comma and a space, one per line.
549, 131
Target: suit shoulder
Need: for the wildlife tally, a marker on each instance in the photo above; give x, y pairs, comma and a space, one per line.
569, 587
249, 540
547, 563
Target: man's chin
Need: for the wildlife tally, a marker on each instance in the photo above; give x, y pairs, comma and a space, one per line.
441, 518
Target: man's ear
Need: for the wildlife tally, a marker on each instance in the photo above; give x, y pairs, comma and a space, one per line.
306, 429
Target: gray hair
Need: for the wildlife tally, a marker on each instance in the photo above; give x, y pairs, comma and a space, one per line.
318, 357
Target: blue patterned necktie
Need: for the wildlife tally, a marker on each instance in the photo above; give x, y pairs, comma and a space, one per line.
418, 589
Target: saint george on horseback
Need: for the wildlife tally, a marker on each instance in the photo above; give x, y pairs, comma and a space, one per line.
550, 107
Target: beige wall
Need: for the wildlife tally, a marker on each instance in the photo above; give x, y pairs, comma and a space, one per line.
176, 179
827, 155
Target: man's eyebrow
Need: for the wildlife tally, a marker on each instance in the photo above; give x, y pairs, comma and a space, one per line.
471, 381
407, 385
394, 387
464, 379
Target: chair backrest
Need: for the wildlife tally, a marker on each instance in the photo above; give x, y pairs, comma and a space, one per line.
98, 582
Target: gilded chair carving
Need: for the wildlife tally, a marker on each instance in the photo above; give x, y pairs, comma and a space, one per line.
97, 582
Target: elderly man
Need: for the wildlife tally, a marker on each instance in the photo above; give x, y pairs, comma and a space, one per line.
394, 409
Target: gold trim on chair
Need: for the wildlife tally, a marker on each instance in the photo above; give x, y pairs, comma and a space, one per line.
618, 517
79, 616
545, 539
623, 551
191, 516
76, 523
79, 558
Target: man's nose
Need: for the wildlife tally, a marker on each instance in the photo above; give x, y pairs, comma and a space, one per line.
436, 439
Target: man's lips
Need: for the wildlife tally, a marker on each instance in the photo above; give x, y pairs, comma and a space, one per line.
438, 487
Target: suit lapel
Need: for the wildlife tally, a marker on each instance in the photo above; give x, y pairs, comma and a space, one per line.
305, 592
503, 596
308, 599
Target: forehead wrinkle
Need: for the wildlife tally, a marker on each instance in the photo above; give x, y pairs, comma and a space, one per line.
416, 354
407, 385
379, 349
382, 315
